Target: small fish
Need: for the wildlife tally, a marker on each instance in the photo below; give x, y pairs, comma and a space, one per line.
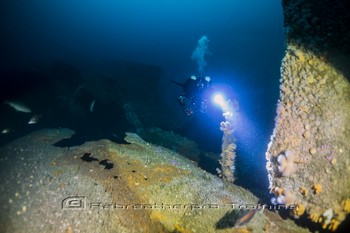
6, 131
92, 105
18, 106
245, 218
34, 119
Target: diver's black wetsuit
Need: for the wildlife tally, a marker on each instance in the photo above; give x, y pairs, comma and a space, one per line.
194, 98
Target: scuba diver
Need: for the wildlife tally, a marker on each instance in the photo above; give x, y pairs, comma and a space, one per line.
194, 97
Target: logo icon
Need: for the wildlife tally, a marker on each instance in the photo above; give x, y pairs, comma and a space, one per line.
74, 203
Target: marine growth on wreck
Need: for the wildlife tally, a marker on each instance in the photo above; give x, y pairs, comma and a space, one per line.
308, 157
109, 123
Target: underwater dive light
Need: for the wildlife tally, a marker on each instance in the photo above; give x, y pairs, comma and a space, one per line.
220, 101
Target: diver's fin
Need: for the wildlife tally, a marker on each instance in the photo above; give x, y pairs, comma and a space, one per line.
177, 83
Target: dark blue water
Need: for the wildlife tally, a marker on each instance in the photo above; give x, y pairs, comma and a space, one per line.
245, 43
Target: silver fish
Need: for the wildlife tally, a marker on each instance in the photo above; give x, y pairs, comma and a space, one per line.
245, 218
6, 131
18, 106
34, 119
92, 105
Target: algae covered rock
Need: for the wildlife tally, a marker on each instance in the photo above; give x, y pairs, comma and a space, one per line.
145, 188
